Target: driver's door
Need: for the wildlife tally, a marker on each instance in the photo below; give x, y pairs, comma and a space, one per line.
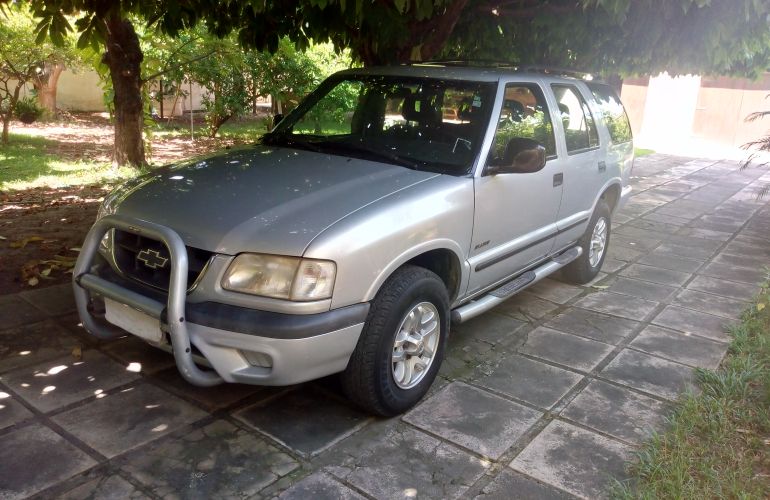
515, 215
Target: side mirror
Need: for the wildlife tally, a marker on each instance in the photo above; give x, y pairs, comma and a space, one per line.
521, 156
277, 118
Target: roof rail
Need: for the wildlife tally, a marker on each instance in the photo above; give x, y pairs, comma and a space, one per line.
492, 63
551, 70
483, 63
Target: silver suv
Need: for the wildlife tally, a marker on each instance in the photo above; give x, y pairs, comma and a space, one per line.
389, 203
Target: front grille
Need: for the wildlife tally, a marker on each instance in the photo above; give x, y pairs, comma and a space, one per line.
148, 261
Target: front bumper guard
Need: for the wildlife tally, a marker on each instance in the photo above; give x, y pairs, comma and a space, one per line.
85, 283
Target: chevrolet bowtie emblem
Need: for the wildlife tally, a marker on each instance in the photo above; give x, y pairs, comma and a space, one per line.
152, 259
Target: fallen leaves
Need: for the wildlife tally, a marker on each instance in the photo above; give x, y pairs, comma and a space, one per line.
35, 270
24, 242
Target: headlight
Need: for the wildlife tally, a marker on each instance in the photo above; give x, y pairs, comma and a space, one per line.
280, 277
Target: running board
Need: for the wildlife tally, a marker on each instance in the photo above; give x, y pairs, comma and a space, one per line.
517, 284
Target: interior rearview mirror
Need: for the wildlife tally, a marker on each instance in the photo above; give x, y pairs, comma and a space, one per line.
521, 156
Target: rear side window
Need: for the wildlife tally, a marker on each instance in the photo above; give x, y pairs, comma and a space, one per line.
613, 113
579, 127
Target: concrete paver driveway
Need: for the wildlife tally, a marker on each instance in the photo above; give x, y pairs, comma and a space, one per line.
544, 397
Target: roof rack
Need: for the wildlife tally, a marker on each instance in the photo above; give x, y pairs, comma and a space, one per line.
491, 63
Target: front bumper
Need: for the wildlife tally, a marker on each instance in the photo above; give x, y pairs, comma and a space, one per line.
240, 344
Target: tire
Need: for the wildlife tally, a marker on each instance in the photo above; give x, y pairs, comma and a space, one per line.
372, 379
581, 270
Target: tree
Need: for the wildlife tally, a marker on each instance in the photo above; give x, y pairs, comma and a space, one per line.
22, 61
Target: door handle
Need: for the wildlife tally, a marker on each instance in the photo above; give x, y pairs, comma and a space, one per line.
602, 166
558, 179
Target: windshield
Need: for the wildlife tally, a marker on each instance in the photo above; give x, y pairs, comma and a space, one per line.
421, 123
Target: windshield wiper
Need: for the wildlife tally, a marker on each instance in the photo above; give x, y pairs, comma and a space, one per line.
369, 153
273, 139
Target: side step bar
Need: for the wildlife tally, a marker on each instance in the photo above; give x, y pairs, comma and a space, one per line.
517, 284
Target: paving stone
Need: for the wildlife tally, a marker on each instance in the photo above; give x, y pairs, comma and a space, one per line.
650, 374
62, 381
680, 347
745, 261
642, 289
52, 300
636, 243
569, 350
622, 253
611, 265
526, 307
136, 352
11, 410
219, 460
105, 487
15, 311
668, 219
555, 291
749, 250
655, 274
474, 419
732, 273
617, 304
34, 458
695, 322
740, 291
708, 234
713, 304
594, 325
510, 484
667, 261
688, 252
574, 459
320, 486
531, 381
403, 462
490, 327
306, 420
212, 398
616, 411
122, 421
30, 344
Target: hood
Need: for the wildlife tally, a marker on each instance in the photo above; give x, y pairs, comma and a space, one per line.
259, 199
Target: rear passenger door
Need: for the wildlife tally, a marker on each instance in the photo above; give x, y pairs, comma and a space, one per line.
582, 161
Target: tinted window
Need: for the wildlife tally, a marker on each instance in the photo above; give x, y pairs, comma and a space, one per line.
613, 113
579, 127
524, 115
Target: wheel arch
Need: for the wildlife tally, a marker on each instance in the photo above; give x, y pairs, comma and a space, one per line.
442, 258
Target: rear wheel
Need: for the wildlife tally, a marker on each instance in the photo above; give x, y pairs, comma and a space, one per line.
402, 344
594, 244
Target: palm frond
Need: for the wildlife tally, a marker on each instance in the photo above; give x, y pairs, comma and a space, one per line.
757, 115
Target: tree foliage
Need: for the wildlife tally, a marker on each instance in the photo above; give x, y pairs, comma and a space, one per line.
22, 60
614, 36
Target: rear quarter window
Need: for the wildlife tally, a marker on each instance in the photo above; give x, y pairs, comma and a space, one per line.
613, 113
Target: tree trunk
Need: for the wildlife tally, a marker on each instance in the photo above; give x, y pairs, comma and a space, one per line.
45, 85
8, 112
124, 57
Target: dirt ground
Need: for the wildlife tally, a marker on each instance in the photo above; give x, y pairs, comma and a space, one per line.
39, 228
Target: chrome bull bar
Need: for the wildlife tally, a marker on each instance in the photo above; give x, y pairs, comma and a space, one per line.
85, 282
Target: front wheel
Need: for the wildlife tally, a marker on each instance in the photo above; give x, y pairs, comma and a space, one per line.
594, 244
402, 345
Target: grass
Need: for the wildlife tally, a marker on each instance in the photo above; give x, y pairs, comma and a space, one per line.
717, 442
243, 130
639, 152
25, 163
